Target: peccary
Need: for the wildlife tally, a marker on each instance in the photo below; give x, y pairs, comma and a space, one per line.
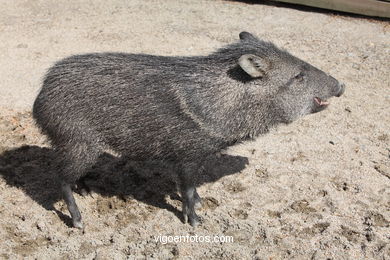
176, 109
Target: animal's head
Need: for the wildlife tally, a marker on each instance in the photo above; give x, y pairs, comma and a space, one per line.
294, 87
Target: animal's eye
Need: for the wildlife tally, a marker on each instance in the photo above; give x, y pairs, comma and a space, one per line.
299, 76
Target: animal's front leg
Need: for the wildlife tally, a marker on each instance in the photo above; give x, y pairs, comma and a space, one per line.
198, 200
189, 195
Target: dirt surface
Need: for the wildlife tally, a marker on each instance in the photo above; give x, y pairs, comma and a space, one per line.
316, 189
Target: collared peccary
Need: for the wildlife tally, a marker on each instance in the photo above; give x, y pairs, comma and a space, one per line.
177, 109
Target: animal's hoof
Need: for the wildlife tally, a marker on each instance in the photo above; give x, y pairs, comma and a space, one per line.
78, 224
82, 188
192, 219
83, 192
195, 221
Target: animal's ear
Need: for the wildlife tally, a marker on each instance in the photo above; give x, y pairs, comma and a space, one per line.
255, 66
245, 36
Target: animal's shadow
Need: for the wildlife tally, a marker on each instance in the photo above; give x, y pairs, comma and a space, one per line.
30, 168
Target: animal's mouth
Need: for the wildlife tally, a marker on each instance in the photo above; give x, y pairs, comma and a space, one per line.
320, 102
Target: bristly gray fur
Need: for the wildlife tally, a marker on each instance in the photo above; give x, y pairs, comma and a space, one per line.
179, 109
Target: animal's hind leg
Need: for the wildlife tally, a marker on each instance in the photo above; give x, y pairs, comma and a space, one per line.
188, 192
72, 206
74, 162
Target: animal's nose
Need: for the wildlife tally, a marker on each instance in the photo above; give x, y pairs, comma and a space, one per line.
341, 90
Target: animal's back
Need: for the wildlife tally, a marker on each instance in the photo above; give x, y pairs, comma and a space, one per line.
120, 101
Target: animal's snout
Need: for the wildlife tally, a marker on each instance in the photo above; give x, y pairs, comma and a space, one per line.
341, 89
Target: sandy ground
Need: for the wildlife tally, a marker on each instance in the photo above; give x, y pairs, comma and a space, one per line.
316, 189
